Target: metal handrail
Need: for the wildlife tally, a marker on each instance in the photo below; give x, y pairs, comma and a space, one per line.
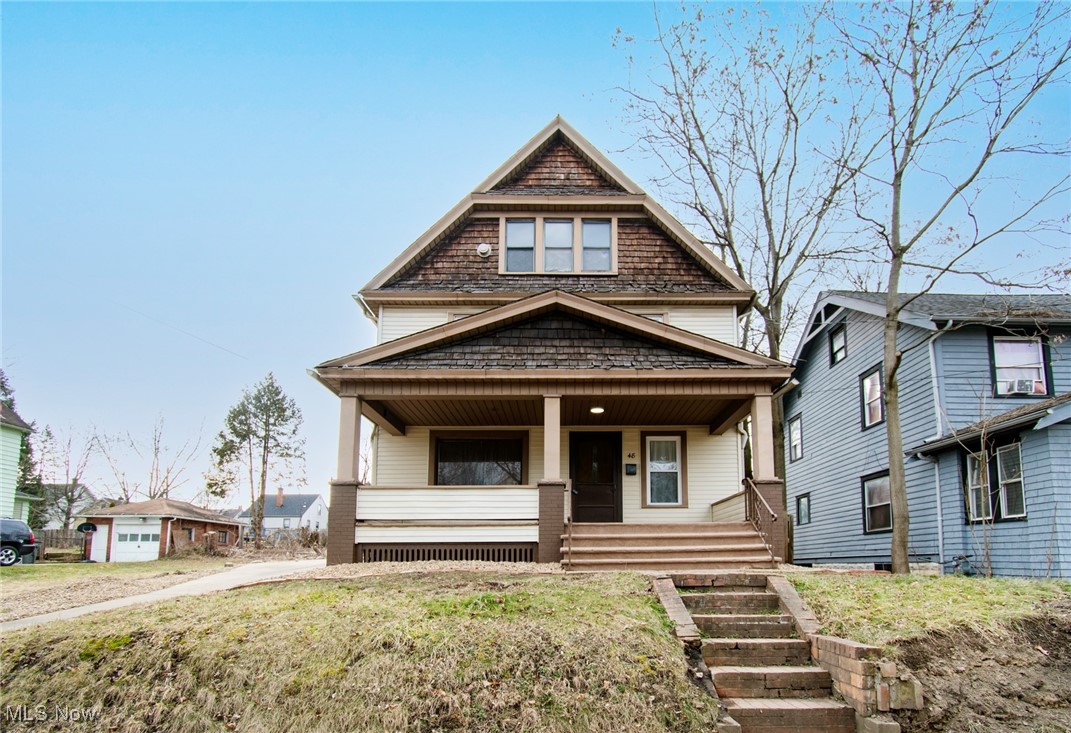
763, 521
569, 540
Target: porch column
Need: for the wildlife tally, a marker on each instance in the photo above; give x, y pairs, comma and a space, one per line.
342, 515
768, 484
552, 487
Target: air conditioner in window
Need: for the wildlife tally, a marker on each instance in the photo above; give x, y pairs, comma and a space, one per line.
1021, 386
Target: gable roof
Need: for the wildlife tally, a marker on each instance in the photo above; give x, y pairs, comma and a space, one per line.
294, 505
494, 189
11, 419
720, 359
161, 508
1058, 409
932, 311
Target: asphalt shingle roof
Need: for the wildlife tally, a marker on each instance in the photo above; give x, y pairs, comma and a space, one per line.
11, 418
994, 306
1029, 413
294, 505
161, 508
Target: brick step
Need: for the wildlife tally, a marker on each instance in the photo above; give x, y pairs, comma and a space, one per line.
745, 626
758, 652
781, 715
663, 538
690, 552
671, 564
722, 582
705, 528
733, 681
729, 602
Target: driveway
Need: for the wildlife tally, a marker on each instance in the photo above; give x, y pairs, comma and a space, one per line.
230, 578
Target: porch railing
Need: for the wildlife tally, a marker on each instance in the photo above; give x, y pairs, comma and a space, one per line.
765, 520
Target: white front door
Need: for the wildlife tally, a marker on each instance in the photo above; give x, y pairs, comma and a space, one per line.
136, 541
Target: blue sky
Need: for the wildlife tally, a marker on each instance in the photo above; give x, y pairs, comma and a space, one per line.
193, 192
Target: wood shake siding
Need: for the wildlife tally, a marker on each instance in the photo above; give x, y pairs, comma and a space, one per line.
648, 262
561, 170
554, 341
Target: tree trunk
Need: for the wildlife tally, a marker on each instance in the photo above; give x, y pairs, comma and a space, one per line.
773, 339
891, 397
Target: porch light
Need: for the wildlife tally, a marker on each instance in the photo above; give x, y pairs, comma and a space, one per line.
597, 410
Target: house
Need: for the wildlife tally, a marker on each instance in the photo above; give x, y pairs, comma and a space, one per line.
14, 504
291, 512
986, 423
153, 529
557, 362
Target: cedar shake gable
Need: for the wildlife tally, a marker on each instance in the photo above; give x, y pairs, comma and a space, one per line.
558, 169
648, 262
554, 341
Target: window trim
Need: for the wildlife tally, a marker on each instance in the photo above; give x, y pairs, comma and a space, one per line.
578, 243
866, 514
862, 395
1001, 484
995, 491
838, 329
799, 501
796, 420
983, 488
435, 435
1046, 363
682, 436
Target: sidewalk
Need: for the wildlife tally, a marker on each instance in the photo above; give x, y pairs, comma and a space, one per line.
230, 578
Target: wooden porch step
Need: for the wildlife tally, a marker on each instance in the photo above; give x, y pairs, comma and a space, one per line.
671, 564
654, 552
761, 652
705, 528
745, 626
611, 539
786, 715
729, 602
767, 682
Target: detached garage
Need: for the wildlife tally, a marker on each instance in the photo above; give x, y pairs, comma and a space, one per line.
150, 530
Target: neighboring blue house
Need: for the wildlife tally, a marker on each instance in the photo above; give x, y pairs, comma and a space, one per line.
985, 402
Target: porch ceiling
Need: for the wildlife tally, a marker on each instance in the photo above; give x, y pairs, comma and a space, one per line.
394, 414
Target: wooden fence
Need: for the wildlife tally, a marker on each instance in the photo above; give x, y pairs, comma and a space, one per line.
56, 539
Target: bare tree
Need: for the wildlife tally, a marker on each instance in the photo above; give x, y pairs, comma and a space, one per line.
63, 462
753, 139
167, 467
951, 86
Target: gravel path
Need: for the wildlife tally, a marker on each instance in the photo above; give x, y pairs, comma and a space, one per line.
85, 591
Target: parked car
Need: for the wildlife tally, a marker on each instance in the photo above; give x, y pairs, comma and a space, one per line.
16, 542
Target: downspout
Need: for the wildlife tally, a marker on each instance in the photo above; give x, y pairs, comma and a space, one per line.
936, 387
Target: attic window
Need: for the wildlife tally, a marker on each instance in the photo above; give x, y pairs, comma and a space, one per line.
559, 245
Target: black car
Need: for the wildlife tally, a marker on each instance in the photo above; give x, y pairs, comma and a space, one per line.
16, 542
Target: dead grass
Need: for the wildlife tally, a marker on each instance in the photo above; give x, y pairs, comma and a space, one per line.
46, 574
425, 652
884, 609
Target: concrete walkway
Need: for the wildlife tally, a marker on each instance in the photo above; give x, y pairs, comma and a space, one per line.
230, 578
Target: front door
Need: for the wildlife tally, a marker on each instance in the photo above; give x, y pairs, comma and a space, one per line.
595, 468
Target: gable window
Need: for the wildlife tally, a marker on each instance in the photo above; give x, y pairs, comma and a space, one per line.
478, 460
877, 503
873, 407
838, 345
558, 245
803, 509
795, 438
663, 469
1019, 366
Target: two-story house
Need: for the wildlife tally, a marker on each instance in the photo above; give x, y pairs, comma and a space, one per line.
557, 357
985, 402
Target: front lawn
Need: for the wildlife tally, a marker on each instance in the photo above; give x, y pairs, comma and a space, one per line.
42, 575
884, 609
414, 652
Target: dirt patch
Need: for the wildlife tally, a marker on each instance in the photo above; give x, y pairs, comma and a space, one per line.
1012, 681
88, 590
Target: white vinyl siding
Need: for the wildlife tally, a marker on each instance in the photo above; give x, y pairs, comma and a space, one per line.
448, 504
470, 533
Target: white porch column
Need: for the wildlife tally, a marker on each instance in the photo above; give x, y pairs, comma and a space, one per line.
552, 437
762, 442
349, 439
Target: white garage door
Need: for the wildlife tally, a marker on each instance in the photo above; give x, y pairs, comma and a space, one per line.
136, 541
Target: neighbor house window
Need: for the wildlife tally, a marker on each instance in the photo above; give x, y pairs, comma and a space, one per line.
803, 509
189, 534
663, 459
795, 438
1010, 475
873, 409
838, 345
1019, 366
478, 460
978, 504
286, 524
570, 245
877, 503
